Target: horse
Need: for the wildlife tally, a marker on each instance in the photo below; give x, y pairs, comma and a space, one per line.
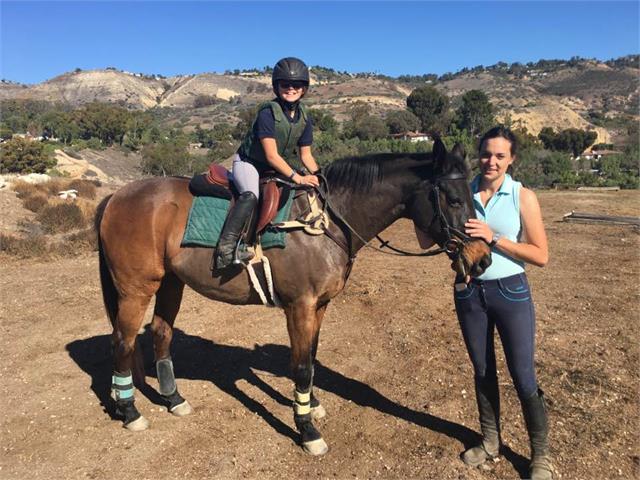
140, 227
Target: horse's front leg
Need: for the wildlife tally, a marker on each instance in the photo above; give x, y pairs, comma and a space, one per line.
317, 410
303, 327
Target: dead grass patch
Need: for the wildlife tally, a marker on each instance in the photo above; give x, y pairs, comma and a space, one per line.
35, 202
61, 217
86, 188
23, 247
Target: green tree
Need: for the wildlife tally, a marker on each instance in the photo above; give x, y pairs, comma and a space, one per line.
323, 120
103, 121
247, 116
547, 137
60, 125
476, 112
431, 107
370, 128
20, 155
400, 121
569, 140
167, 158
362, 124
461, 136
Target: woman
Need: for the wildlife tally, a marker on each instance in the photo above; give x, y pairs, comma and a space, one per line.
510, 221
280, 136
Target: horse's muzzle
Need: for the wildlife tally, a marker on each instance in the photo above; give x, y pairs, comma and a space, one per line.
469, 258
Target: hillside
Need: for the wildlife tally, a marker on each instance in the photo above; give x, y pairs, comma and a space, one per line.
549, 93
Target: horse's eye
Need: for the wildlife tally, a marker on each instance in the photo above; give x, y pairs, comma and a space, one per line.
455, 202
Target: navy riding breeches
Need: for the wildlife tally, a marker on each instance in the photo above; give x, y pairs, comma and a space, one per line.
504, 304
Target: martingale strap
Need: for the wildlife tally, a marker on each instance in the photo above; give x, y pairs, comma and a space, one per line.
122, 386
315, 222
302, 402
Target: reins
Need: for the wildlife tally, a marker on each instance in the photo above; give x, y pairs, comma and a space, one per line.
455, 238
451, 246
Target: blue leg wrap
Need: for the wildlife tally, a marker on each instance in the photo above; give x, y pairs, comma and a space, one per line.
122, 386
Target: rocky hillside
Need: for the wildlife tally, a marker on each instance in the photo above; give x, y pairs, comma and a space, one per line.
557, 94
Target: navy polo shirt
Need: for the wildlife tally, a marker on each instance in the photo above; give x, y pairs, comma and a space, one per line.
265, 126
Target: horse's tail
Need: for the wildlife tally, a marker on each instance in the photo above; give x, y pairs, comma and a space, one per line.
109, 292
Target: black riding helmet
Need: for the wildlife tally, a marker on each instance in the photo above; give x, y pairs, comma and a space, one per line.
290, 69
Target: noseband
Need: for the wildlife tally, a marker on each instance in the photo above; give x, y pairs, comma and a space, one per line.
455, 239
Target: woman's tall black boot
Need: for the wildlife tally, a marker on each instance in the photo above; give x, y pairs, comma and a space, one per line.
488, 398
535, 417
236, 224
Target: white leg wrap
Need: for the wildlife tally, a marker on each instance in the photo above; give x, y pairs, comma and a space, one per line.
302, 403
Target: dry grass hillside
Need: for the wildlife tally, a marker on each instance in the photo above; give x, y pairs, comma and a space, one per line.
559, 97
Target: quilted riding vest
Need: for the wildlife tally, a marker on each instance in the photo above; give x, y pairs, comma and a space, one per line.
287, 136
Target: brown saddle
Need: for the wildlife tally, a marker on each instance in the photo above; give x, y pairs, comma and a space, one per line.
270, 192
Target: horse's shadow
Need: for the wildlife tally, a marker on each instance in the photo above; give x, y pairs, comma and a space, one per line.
198, 358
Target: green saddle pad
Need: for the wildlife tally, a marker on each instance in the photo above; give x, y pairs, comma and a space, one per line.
207, 216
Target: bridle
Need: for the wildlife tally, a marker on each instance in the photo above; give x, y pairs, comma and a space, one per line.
455, 239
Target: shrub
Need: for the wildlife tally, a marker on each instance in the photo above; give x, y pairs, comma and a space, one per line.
23, 247
83, 241
19, 155
204, 101
86, 188
166, 158
61, 217
24, 189
35, 202
73, 152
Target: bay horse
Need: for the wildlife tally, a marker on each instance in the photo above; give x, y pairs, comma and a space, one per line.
140, 228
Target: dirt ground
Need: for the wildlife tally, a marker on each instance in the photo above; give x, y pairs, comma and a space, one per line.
392, 372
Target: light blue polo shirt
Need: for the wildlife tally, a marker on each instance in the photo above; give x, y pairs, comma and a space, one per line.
502, 214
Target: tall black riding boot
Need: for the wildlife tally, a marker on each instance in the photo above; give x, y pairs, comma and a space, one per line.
238, 220
535, 417
488, 398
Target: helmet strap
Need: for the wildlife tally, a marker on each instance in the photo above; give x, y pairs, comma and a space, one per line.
289, 106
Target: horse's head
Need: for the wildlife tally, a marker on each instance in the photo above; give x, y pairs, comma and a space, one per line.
440, 207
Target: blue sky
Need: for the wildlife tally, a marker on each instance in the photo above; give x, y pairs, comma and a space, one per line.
40, 40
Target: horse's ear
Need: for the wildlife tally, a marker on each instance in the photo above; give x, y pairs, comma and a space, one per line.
439, 151
458, 151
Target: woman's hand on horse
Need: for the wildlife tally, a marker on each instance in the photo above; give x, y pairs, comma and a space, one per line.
306, 180
478, 229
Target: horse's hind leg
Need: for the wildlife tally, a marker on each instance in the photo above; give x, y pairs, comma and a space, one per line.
129, 319
303, 327
168, 300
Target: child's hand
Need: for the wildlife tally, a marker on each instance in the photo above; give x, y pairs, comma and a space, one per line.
306, 180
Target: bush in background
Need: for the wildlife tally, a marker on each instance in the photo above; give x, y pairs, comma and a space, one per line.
19, 155
86, 188
35, 202
23, 247
61, 217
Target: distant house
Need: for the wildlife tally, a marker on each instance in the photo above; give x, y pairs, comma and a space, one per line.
28, 136
412, 136
597, 154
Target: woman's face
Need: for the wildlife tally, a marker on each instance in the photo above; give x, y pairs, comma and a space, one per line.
291, 91
495, 158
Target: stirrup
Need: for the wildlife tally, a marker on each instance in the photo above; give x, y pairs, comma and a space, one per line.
241, 255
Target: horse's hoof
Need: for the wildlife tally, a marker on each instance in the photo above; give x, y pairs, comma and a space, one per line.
138, 425
181, 410
316, 447
318, 412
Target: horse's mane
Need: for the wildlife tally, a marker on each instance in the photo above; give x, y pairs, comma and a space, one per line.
360, 173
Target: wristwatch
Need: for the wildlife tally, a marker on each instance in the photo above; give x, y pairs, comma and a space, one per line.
293, 174
494, 240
